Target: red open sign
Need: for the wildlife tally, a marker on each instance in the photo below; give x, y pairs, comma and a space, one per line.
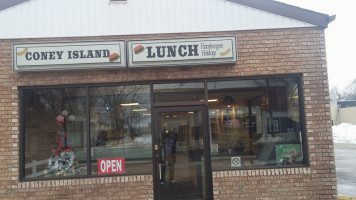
111, 165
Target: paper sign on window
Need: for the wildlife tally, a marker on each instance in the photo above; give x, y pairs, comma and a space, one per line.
235, 161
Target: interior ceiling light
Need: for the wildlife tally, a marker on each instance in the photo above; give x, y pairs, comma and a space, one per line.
139, 110
129, 104
212, 100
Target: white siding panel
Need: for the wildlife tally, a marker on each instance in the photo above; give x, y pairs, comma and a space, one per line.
40, 19
221, 16
244, 18
11, 27
250, 17
24, 26
168, 14
201, 17
17, 25
47, 17
71, 18
163, 19
54, 12
3, 25
280, 22
144, 18
58, 20
32, 20
75, 14
265, 21
179, 18
191, 12
90, 18
235, 16
68, 15
185, 17
106, 21
173, 16
259, 19
227, 16
120, 19
214, 15
272, 20
87, 17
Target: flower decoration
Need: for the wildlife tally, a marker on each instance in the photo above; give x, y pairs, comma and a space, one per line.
63, 161
60, 119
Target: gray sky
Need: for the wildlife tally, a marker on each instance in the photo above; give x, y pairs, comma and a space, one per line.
340, 37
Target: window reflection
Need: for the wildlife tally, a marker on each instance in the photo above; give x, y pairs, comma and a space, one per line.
121, 126
257, 122
252, 122
54, 132
177, 92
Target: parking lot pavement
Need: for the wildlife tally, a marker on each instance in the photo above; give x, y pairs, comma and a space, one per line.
345, 157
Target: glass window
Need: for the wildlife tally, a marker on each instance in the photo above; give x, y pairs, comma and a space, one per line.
54, 132
55, 125
175, 92
120, 125
255, 123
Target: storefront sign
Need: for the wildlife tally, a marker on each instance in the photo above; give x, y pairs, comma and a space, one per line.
190, 51
69, 55
111, 166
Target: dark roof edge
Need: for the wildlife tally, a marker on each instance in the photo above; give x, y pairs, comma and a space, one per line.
8, 4
286, 10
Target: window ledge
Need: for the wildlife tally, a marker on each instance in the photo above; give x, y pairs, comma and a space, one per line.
261, 172
83, 181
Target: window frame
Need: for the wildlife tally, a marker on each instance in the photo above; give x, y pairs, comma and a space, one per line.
87, 87
303, 135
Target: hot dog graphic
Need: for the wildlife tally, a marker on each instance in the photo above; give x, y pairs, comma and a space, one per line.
22, 52
225, 52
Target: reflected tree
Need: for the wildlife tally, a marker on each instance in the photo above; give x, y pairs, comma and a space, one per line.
119, 110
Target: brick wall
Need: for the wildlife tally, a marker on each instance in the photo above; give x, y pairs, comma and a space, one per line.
265, 52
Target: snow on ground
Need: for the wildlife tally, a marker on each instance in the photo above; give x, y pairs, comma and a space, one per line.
344, 133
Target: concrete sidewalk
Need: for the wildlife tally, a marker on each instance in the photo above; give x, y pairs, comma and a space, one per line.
345, 158
346, 198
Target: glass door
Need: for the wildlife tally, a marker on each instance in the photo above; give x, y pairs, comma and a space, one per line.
181, 168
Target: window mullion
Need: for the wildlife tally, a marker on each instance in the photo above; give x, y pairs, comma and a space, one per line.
88, 131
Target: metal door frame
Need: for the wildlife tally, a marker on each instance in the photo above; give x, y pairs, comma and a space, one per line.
206, 140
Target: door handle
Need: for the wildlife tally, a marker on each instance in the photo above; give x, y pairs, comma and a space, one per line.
160, 171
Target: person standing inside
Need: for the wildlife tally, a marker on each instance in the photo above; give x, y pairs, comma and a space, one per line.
170, 153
